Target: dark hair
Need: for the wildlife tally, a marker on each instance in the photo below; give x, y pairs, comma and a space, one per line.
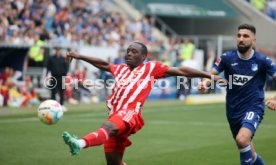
144, 48
248, 27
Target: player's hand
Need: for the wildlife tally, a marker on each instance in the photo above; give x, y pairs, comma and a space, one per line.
204, 86
271, 104
70, 55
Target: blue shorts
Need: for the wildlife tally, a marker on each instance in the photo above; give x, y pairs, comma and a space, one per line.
250, 120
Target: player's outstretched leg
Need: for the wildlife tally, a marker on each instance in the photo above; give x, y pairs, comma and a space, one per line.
96, 138
72, 142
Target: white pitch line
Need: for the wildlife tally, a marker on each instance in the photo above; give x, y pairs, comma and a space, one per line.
21, 120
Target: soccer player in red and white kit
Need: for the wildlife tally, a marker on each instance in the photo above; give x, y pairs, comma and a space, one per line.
134, 81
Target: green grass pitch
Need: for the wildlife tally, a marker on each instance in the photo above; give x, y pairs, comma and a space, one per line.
174, 134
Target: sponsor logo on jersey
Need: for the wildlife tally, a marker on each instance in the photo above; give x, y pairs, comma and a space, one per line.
249, 160
218, 61
137, 72
254, 67
240, 80
234, 64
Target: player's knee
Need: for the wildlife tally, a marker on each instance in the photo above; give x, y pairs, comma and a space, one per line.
242, 141
111, 128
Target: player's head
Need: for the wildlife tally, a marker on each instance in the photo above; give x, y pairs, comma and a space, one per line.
58, 50
246, 38
136, 54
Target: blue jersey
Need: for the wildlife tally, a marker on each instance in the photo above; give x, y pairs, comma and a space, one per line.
246, 79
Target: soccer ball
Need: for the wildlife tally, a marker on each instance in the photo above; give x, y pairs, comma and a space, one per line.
49, 112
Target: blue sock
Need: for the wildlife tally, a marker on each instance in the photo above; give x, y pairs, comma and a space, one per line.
258, 160
246, 156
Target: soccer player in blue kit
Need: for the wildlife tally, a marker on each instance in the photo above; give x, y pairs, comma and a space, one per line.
246, 70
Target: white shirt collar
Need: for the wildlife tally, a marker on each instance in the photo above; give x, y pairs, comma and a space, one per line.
243, 58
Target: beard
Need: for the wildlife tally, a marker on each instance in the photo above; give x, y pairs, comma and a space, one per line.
243, 49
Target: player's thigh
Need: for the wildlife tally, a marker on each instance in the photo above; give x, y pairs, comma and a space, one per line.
118, 123
251, 121
249, 124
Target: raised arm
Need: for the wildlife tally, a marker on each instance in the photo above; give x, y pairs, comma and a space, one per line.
189, 72
99, 63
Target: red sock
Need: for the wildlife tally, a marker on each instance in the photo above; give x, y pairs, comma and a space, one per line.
96, 138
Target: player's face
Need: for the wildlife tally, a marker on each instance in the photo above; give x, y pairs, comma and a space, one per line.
134, 56
245, 40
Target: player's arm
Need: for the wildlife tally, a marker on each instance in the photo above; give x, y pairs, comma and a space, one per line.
99, 63
271, 104
189, 72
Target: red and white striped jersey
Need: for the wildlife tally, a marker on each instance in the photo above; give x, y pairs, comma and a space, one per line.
132, 87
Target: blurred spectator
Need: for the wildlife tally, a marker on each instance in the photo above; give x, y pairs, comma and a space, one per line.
259, 4
57, 67
165, 60
8, 72
36, 53
268, 7
180, 94
15, 96
15, 99
31, 97
187, 49
120, 58
1, 100
4, 87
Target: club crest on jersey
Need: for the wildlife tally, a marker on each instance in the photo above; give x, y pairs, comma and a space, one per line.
136, 72
254, 67
218, 61
240, 80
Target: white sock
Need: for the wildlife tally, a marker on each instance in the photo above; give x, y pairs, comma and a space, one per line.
82, 143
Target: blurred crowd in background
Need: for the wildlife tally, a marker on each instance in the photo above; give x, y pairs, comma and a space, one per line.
268, 7
69, 23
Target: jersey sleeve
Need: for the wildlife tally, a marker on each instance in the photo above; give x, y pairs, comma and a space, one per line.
219, 65
114, 69
159, 70
270, 67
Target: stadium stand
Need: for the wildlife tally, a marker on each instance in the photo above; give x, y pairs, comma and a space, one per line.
268, 7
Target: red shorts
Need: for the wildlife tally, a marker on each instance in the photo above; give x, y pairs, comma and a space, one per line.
128, 122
